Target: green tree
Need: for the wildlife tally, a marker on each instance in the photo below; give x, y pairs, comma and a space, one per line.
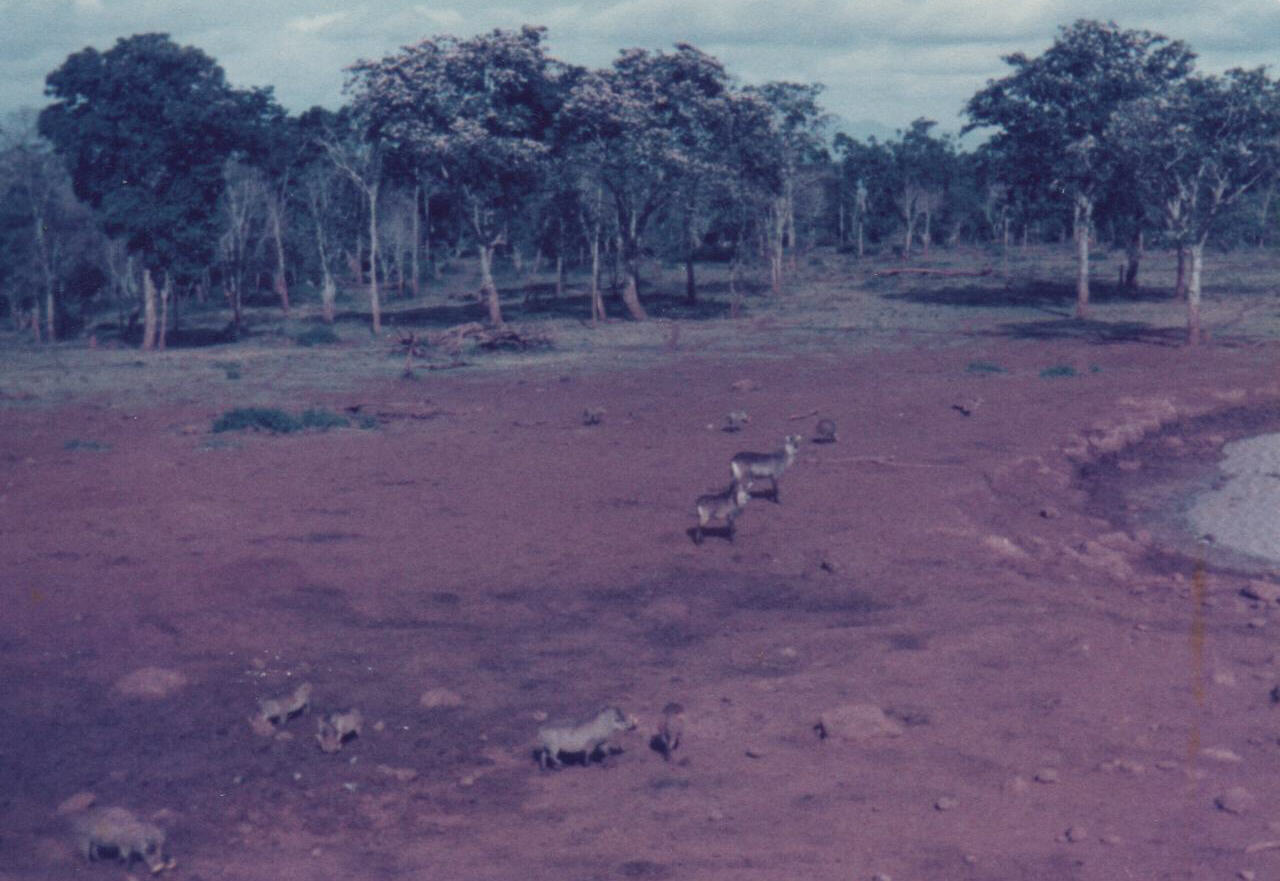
145, 129
478, 111
1051, 114
1202, 147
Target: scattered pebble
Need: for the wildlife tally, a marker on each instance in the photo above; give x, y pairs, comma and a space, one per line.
755, 752
403, 775
1074, 834
151, 683
946, 803
856, 722
74, 804
438, 698
1047, 775
1235, 800
1265, 591
1220, 754
1126, 766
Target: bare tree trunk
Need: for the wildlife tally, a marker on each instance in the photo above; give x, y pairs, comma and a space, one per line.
487, 287
166, 293
1083, 217
149, 310
1133, 256
328, 294
279, 282
415, 272
375, 303
50, 314
1193, 293
1180, 282
926, 235
597, 300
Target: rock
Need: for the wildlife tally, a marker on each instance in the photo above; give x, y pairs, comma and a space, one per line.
403, 775
439, 698
74, 804
1017, 785
1047, 775
745, 385
1236, 800
1125, 766
1265, 591
1075, 834
856, 722
946, 803
151, 683
1220, 754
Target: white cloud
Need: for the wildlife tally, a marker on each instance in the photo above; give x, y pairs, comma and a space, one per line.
310, 24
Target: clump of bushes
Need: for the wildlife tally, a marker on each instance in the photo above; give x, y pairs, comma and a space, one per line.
276, 421
267, 419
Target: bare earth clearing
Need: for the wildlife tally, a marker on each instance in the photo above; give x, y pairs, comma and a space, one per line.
1070, 686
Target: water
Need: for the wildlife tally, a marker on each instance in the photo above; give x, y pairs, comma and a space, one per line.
1243, 514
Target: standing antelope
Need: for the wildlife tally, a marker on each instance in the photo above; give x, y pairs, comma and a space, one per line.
746, 467
722, 506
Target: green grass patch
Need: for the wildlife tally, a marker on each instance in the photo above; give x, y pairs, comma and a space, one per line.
267, 419
1057, 370
90, 446
984, 367
276, 421
323, 419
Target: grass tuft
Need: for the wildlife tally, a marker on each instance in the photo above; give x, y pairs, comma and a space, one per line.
1057, 370
984, 367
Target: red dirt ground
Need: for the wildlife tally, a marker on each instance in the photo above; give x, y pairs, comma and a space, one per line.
1067, 690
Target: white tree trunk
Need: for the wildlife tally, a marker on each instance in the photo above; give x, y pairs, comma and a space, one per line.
149, 310
1193, 292
1083, 221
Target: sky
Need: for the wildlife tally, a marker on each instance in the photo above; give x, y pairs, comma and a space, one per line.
883, 63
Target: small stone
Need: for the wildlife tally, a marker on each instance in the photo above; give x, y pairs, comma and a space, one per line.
1047, 775
439, 698
468, 780
755, 752
1076, 834
1017, 785
403, 775
1235, 800
1247, 874
945, 803
1265, 591
1112, 840
1167, 765
1220, 754
74, 804
150, 683
715, 815
856, 722
881, 876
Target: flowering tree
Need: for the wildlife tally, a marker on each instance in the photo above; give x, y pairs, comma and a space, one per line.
654, 124
1200, 148
474, 111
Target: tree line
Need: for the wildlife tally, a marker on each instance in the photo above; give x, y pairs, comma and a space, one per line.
149, 182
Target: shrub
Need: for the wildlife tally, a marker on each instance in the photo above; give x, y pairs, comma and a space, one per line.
1058, 370
984, 367
323, 419
257, 419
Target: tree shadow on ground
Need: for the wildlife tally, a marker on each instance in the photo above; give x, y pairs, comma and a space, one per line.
1091, 331
1032, 294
